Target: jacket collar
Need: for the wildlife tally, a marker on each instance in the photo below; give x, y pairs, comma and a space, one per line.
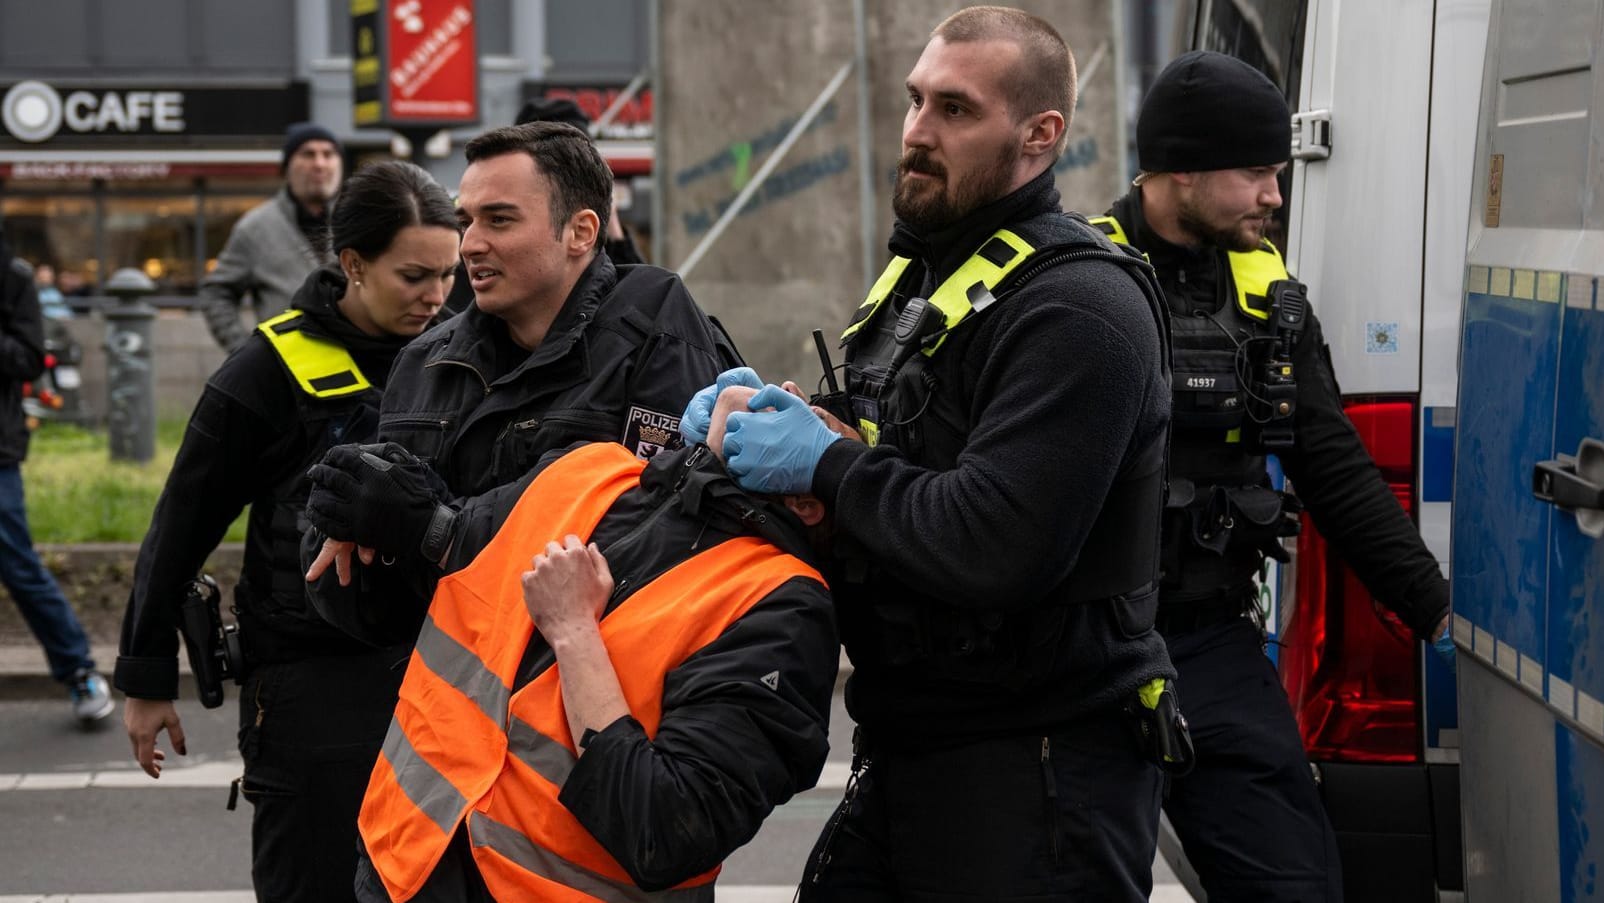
319, 299
466, 344
945, 249
706, 491
1167, 258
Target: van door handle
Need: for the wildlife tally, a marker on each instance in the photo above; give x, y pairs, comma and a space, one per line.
1575, 484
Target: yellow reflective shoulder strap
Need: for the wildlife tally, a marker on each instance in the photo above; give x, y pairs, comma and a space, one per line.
324, 369
1111, 227
970, 287
878, 293
1252, 272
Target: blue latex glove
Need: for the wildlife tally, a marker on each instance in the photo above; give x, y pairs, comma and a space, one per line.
698, 416
1444, 646
775, 451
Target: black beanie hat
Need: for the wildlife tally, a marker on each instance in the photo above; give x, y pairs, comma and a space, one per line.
1211, 111
300, 133
553, 109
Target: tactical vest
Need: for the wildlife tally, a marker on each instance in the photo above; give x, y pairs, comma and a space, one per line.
464, 747
1222, 517
336, 404
904, 393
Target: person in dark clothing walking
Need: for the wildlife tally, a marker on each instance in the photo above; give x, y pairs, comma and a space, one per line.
998, 530
315, 702
45, 610
1213, 136
559, 346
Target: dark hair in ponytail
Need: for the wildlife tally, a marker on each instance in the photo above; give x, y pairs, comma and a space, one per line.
380, 200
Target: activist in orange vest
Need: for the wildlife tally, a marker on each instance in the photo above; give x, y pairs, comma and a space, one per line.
697, 654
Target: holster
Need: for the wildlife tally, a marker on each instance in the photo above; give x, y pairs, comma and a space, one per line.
1219, 518
1160, 728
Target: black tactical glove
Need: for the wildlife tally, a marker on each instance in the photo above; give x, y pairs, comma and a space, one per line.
382, 497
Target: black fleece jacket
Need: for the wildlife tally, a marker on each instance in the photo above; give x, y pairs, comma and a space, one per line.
1331, 472
22, 352
247, 435
1064, 381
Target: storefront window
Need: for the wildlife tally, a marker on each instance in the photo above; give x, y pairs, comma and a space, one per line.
56, 230
170, 229
155, 235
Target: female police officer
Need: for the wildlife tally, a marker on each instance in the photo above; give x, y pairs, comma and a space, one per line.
315, 704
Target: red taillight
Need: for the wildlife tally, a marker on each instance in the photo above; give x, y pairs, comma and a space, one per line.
1348, 666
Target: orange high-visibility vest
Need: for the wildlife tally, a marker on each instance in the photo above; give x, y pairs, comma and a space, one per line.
463, 746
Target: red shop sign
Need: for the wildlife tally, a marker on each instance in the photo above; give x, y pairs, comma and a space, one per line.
414, 63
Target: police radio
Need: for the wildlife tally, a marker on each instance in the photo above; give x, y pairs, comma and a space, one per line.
214, 647
1273, 397
835, 400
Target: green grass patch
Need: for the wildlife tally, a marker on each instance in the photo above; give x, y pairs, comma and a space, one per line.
76, 493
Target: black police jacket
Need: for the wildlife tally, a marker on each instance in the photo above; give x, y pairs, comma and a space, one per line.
1330, 470
745, 719
967, 622
22, 352
252, 437
624, 356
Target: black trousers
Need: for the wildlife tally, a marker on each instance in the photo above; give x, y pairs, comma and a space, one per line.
309, 733
1069, 816
1248, 815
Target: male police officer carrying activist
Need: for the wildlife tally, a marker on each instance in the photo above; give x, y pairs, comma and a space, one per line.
559, 346
1252, 377
999, 529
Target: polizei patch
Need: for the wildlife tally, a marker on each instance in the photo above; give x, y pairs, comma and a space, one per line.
648, 432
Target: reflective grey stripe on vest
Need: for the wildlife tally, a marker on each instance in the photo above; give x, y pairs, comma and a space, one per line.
458, 666
523, 852
423, 784
549, 758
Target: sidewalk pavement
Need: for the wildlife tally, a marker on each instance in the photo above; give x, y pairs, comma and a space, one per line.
25, 675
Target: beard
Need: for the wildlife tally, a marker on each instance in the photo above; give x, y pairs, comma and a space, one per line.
1241, 235
934, 203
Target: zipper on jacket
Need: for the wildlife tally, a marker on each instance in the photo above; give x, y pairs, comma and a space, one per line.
469, 367
1050, 802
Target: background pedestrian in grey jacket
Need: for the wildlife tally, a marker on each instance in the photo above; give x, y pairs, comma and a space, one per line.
277, 243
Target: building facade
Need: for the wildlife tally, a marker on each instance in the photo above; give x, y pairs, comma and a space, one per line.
135, 132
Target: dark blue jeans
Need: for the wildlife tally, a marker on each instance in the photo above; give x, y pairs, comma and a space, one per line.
35, 591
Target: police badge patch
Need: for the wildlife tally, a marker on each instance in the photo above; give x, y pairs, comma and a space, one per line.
648, 432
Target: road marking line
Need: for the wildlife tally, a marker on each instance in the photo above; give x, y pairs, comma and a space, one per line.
208, 774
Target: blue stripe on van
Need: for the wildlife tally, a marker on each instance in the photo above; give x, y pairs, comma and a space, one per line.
1437, 455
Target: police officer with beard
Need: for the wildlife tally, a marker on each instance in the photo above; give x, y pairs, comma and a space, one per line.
1252, 378
997, 524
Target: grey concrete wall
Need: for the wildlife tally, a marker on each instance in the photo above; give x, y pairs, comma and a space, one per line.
732, 81
184, 357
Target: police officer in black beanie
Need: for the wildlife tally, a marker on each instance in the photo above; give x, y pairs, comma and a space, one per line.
1252, 377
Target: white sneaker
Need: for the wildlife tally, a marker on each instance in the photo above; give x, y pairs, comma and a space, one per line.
91, 696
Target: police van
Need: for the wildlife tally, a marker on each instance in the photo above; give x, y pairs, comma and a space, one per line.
1375, 224
1528, 560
